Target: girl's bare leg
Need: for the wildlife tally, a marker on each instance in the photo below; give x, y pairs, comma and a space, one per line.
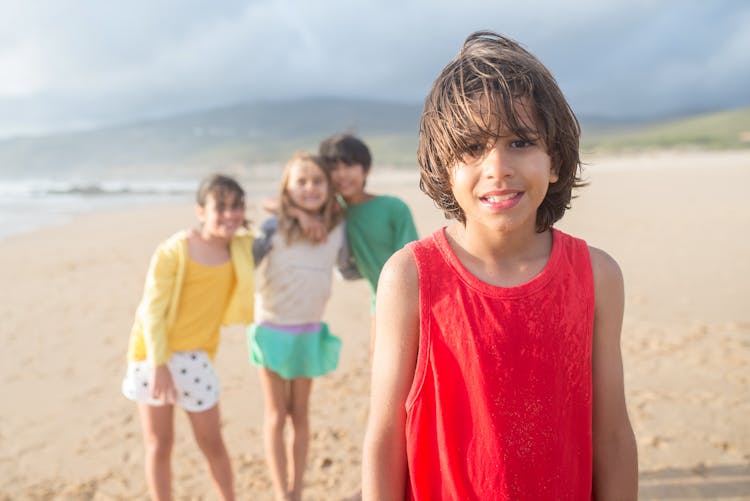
299, 400
158, 437
276, 400
207, 431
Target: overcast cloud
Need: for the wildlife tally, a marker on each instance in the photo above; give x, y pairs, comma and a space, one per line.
70, 63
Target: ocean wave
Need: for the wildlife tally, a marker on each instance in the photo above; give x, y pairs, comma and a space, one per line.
36, 188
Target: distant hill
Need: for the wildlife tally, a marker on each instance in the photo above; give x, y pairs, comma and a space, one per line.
243, 136
256, 138
720, 130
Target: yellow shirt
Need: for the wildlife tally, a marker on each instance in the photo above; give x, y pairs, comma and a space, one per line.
205, 293
158, 310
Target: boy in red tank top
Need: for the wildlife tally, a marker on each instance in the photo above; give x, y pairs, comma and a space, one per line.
497, 371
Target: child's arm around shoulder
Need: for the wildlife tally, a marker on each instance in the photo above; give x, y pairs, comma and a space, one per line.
384, 467
313, 228
615, 454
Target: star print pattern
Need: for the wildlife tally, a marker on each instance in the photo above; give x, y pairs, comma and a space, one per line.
192, 373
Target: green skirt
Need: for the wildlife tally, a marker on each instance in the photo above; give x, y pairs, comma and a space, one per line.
307, 354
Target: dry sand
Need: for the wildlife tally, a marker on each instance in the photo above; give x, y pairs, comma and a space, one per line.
676, 223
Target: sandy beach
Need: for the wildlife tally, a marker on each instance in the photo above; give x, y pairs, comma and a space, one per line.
676, 223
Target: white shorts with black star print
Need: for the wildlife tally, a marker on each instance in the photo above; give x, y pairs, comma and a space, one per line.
194, 379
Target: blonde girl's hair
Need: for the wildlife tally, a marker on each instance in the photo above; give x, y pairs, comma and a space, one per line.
330, 213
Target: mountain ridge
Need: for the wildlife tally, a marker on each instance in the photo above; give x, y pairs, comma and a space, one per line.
252, 134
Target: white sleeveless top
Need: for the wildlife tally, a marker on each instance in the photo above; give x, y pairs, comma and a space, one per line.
293, 282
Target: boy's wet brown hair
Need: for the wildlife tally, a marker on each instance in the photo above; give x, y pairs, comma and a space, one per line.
289, 226
490, 85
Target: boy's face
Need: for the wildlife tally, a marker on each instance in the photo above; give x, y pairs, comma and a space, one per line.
349, 181
501, 185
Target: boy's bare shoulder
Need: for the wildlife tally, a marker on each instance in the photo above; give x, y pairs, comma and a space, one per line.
400, 271
609, 287
401, 262
604, 266
397, 304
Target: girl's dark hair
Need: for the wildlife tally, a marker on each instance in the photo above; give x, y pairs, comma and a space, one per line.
225, 190
480, 93
289, 226
221, 187
345, 148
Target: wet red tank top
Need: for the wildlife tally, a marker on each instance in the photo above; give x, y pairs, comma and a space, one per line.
500, 406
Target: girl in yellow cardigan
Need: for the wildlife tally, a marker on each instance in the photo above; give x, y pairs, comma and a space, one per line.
198, 280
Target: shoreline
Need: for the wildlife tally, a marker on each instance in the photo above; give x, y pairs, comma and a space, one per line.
71, 204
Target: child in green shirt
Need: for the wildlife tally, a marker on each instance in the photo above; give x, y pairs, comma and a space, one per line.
376, 225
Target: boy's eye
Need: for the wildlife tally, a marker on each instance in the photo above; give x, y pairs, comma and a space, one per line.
522, 143
474, 150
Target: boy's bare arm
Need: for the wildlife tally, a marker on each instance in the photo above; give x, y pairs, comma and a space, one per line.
615, 454
384, 467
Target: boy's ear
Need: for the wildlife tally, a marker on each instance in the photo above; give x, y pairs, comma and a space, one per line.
554, 175
200, 213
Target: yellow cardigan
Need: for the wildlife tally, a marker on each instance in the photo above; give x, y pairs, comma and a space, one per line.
157, 311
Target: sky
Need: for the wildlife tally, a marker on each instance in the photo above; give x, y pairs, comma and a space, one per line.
71, 64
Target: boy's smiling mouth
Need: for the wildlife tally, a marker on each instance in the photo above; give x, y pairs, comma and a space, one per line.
501, 199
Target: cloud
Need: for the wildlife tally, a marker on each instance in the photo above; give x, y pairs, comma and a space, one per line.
679, 58
74, 63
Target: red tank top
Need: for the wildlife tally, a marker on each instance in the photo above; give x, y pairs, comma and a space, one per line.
500, 406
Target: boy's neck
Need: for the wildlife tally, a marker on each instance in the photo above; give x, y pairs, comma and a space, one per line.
359, 198
501, 259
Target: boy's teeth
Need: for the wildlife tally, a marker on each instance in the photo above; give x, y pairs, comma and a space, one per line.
499, 198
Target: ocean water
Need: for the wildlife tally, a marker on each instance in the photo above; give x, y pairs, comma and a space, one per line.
29, 204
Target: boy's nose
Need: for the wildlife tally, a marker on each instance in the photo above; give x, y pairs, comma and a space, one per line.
497, 163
